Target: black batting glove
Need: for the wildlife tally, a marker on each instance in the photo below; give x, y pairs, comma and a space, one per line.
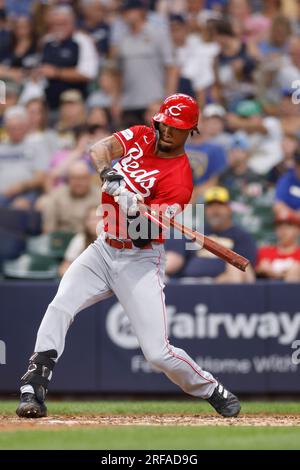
110, 174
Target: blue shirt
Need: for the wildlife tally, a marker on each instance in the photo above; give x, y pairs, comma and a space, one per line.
288, 190
210, 4
207, 160
266, 48
61, 54
5, 45
17, 7
100, 35
201, 263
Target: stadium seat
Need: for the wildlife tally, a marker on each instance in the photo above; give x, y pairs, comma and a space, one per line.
11, 245
29, 266
20, 221
52, 245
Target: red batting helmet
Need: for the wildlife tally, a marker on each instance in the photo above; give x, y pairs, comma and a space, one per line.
180, 111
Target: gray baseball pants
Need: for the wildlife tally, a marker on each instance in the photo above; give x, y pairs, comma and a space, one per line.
136, 277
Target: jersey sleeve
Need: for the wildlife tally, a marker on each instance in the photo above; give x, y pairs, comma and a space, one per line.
128, 137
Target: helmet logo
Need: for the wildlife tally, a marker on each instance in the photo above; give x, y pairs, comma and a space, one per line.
176, 109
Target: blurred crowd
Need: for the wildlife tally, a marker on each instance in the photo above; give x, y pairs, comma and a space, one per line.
76, 71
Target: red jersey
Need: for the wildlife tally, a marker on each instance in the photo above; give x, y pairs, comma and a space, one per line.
280, 261
159, 180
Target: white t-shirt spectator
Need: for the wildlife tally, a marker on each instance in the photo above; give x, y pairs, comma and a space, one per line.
19, 162
143, 58
266, 149
196, 59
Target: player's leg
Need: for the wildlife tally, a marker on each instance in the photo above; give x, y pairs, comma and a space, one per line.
139, 288
83, 284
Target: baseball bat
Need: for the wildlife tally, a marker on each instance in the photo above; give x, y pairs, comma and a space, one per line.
210, 245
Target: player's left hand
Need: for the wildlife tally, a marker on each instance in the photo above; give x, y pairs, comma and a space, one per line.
128, 201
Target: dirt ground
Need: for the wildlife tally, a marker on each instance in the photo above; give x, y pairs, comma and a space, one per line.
9, 423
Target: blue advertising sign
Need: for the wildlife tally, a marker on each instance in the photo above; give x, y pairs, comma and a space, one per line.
247, 336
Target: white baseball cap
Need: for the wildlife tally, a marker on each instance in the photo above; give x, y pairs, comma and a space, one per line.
214, 110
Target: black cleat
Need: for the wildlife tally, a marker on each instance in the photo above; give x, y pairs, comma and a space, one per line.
30, 407
224, 402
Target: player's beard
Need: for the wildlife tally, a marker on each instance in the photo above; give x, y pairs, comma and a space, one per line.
164, 148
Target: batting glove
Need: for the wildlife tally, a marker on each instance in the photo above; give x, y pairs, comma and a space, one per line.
112, 187
112, 180
110, 174
128, 201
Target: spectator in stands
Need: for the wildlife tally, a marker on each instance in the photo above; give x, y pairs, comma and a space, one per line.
146, 63
218, 225
207, 158
69, 57
277, 44
98, 118
65, 207
197, 12
296, 20
194, 56
289, 146
21, 56
289, 72
72, 114
5, 37
238, 178
251, 27
107, 95
289, 112
38, 126
95, 25
12, 92
282, 261
22, 163
271, 8
234, 67
17, 8
265, 135
288, 189
212, 126
81, 240
63, 159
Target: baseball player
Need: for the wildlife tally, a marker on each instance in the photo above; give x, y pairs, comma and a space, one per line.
150, 167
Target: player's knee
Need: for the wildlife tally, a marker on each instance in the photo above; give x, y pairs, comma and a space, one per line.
59, 304
157, 359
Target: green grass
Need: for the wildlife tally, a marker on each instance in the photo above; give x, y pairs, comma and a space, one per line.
148, 437
154, 438
123, 407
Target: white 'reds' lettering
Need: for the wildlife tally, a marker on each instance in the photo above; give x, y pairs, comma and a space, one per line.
129, 167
